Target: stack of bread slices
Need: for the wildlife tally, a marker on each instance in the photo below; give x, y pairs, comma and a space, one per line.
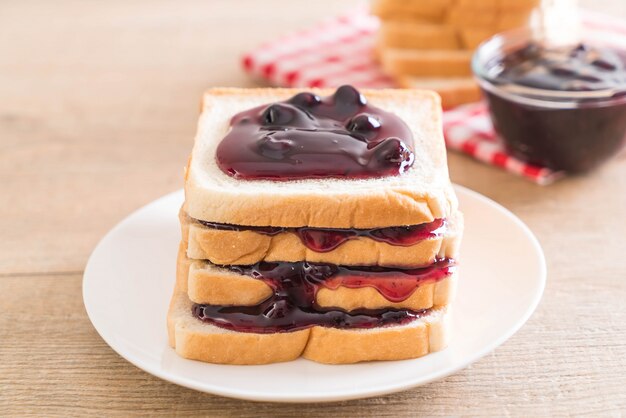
429, 43
247, 243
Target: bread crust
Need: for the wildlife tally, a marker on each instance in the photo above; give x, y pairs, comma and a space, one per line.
195, 340
420, 195
342, 346
335, 346
225, 247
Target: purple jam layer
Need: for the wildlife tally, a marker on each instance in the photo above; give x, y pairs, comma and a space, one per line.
327, 239
309, 136
292, 305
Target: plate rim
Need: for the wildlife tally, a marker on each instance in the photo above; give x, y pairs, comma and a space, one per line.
346, 395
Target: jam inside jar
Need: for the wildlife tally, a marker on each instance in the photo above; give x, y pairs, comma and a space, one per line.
563, 108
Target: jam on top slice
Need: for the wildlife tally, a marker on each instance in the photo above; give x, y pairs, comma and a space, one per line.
308, 136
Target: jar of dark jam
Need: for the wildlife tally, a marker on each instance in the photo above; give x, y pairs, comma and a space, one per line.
559, 107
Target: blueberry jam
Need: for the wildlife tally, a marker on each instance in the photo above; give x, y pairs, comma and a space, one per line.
292, 305
578, 68
572, 117
327, 239
309, 136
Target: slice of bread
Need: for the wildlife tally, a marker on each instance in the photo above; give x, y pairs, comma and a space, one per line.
513, 20
512, 5
422, 194
213, 285
431, 10
426, 63
469, 17
209, 284
428, 334
471, 38
225, 247
500, 5
417, 35
436, 10
453, 91
197, 340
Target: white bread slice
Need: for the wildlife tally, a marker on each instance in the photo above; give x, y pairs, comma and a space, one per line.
248, 247
197, 340
420, 195
417, 35
453, 91
427, 63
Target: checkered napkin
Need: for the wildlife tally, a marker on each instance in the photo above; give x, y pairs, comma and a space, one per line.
338, 51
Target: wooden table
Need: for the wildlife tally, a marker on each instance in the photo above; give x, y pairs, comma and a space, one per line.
98, 102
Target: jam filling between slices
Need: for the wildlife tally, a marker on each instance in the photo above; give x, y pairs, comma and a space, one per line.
309, 136
327, 239
292, 305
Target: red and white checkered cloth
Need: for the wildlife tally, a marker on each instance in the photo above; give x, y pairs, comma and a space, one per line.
339, 51
468, 129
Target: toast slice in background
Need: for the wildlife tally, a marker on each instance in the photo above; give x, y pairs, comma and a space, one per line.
453, 91
431, 10
426, 63
421, 194
437, 10
422, 39
470, 17
417, 35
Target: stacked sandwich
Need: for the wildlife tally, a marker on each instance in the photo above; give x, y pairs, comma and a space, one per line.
429, 44
319, 224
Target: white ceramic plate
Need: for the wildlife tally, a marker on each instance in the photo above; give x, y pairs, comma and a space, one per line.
130, 276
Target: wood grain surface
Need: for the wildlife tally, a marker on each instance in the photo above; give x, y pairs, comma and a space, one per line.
98, 102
